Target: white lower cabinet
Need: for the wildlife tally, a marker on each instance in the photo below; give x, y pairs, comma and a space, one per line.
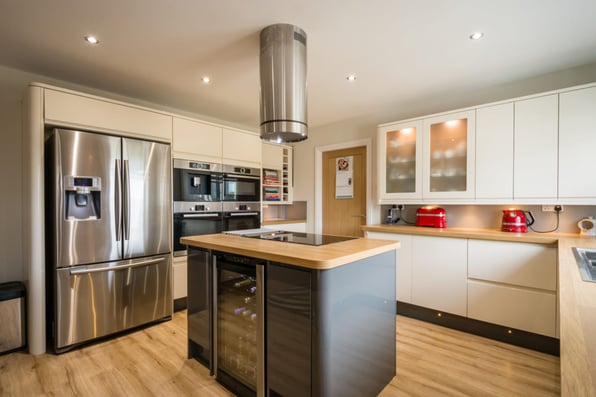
520, 308
514, 285
506, 283
439, 273
179, 271
403, 265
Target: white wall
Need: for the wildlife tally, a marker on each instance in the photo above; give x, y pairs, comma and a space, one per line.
12, 85
349, 130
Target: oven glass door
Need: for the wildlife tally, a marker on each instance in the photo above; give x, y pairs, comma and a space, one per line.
192, 224
241, 221
241, 188
196, 185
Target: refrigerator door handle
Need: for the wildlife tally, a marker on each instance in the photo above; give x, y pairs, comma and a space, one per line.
75, 270
126, 200
118, 202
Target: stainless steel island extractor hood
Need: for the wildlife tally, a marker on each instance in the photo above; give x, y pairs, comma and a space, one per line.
283, 83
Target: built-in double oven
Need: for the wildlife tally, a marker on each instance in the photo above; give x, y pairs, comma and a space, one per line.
241, 196
211, 198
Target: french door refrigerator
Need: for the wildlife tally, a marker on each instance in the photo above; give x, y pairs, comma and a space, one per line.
108, 220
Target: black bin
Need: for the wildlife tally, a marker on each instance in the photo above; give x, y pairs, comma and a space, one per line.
12, 316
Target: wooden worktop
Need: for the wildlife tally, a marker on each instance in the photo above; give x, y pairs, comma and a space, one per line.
312, 257
460, 232
577, 298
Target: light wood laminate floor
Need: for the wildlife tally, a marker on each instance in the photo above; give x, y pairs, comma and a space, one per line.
432, 361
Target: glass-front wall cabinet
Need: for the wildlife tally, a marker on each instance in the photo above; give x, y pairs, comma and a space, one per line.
400, 168
449, 156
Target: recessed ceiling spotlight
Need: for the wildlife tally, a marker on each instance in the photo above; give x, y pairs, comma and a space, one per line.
476, 36
351, 77
91, 39
206, 79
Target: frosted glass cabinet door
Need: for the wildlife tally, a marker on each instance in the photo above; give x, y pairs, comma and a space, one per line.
449, 156
400, 160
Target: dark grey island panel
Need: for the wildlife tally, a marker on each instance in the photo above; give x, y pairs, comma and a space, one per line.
327, 332
354, 324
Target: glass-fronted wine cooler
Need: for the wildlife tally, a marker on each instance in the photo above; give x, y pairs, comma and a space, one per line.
239, 338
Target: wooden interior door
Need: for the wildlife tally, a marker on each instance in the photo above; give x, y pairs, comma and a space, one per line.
344, 216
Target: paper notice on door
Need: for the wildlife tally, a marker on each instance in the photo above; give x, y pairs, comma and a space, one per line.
344, 177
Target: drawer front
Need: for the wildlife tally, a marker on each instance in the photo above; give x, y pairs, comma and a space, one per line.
528, 310
521, 264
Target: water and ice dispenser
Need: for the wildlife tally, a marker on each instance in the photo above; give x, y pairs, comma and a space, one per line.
82, 197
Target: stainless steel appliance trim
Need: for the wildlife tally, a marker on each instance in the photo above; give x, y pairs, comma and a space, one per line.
244, 171
85, 270
244, 214
126, 199
214, 349
118, 203
260, 331
185, 165
203, 215
242, 176
189, 206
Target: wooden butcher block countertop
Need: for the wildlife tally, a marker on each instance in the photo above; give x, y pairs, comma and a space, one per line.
577, 298
320, 257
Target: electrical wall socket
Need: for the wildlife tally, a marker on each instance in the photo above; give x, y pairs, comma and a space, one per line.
551, 208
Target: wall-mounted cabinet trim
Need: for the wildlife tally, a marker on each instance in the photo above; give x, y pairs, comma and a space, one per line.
80, 111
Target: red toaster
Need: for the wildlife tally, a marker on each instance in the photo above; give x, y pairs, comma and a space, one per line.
431, 217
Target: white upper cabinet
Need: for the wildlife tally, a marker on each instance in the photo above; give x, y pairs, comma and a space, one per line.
272, 155
494, 152
535, 163
400, 161
88, 112
196, 141
577, 144
448, 156
241, 148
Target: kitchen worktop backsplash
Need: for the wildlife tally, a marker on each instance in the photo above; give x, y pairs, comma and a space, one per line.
489, 216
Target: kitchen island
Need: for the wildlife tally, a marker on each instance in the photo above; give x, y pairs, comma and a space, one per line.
276, 318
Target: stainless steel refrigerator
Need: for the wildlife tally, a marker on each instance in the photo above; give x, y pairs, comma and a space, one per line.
108, 237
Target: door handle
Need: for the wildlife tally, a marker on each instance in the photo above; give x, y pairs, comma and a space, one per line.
126, 199
359, 216
85, 270
118, 202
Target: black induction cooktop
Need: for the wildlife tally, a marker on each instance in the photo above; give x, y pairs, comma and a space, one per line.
297, 237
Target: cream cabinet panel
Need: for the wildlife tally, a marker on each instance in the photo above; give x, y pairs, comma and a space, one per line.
494, 152
439, 273
179, 271
536, 148
449, 156
399, 164
528, 310
577, 143
68, 109
272, 155
521, 264
241, 148
403, 265
196, 141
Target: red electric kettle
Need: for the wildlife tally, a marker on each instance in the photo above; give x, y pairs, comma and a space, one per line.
516, 221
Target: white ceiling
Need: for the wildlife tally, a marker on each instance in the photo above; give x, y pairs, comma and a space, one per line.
401, 50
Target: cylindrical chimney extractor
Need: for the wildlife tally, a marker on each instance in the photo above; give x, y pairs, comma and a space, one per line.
283, 83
